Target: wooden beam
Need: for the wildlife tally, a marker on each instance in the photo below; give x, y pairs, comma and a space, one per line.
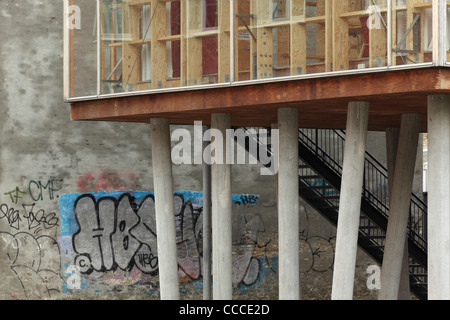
378, 39
321, 102
223, 41
193, 44
340, 36
158, 49
297, 38
264, 43
328, 35
131, 53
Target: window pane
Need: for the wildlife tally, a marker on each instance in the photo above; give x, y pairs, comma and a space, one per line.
411, 32
162, 44
278, 38
362, 34
82, 48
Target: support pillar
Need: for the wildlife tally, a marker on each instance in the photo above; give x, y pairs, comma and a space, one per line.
288, 206
438, 197
207, 232
399, 205
221, 212
350, 201
164, 209
392, 135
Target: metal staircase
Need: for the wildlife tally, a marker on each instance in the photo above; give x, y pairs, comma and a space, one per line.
320, 173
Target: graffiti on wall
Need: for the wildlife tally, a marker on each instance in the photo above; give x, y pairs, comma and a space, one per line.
22, 209
37, 190
108, 233
29, 251
107, 180
31, 264
28, 215
111, 236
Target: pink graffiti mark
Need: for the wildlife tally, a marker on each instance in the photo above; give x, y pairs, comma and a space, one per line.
107, 180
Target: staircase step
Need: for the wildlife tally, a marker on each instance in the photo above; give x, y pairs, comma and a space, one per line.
420, 286
312, 177
377, 246
328, 206
368, 227
319, 188
376, 237
324, 197
415, 265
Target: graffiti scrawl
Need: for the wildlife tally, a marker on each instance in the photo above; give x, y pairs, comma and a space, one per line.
116, 232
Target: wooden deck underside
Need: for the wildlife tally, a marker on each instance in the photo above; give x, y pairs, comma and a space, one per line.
322, 102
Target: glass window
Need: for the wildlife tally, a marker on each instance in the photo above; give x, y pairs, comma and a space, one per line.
82, 48
152, 44
412, 32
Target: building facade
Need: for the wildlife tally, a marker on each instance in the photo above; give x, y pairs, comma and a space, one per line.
135, 73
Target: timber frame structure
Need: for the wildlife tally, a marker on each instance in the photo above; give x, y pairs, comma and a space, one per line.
147, 46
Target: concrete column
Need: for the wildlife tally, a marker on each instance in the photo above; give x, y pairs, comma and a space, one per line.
164, 209
392, 135
438, 197
399, 205
350, 201
221, 214
207, 231
274, 126
288, 206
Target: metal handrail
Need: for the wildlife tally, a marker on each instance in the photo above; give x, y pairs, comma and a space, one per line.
328, 146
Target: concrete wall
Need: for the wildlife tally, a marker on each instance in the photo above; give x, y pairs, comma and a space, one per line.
56, 175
